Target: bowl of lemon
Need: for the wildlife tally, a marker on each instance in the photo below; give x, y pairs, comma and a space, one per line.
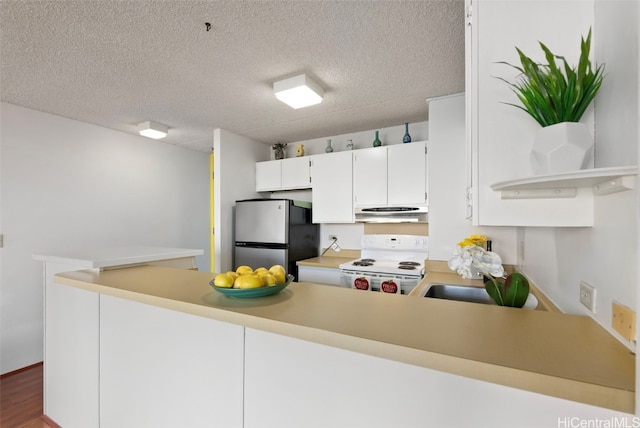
245, 282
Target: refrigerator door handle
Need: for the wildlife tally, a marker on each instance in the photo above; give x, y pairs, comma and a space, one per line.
268, 245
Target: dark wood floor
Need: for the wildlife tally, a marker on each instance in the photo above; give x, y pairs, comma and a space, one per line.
21, 399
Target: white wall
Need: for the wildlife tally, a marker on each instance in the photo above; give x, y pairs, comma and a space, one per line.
68, 185
235, 179
447, 183
606, 255
615, 44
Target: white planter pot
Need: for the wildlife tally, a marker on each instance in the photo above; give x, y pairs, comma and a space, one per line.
563, 147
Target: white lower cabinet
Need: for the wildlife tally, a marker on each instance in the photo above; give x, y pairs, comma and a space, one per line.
162, 368
71, 381
292, 383
319, 275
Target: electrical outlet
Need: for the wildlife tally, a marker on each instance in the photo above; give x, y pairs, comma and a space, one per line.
333, 237
588, 296
623, 320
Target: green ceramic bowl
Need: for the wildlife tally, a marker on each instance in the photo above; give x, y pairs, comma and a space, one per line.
250, 293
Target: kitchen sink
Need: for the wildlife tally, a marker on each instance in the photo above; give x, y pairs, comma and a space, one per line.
460, 293
465, 293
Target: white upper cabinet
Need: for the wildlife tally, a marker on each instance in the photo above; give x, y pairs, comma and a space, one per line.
370, 177
390, 175
500, 136
332, 187
283, 174
268, 175
296, 173
407, 174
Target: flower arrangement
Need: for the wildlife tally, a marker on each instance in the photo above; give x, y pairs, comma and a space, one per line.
553, 93
471, 260
278, 149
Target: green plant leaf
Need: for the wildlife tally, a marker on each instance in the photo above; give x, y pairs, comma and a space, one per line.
516, 290
495, 290
555, 92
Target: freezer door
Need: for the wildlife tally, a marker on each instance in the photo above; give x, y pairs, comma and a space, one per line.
265, 257
262, 221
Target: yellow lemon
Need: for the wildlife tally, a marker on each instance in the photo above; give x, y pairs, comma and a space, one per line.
223, 280
233, 274
268, 279
248, 281
280, 277
244, 270
260, 269
278, 268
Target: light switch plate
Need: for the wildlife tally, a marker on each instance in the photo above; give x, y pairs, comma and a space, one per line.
623, 320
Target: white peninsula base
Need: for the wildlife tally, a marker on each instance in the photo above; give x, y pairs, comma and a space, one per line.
170, 351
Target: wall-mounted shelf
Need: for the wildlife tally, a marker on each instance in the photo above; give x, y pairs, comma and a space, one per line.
603, 181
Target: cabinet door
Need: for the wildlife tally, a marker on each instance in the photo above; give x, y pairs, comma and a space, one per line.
370, 177
71, 352
291, 383
319, 275
295, 173
268, 175
502, 135
407, 168
332, 184
163, 368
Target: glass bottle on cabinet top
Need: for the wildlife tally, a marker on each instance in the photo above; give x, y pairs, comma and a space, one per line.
407, 137
377, 142
328, 149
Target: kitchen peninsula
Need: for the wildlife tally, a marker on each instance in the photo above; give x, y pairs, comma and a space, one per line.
171, 351
71, 330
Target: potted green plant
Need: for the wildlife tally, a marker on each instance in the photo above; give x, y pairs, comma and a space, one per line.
278, 149
471, 260
556, 96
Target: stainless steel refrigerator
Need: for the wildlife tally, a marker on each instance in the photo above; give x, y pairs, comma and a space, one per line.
274, 231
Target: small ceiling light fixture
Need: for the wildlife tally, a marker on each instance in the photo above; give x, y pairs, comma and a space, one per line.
299, 91
153, 130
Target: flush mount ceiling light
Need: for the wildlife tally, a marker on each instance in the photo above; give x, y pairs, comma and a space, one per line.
298, 91
153, 130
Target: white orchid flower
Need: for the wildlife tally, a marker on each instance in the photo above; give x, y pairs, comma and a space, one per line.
467, 261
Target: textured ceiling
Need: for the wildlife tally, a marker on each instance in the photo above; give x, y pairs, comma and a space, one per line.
119, 63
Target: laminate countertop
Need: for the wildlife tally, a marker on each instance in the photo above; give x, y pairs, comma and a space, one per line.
116, 256
560, 355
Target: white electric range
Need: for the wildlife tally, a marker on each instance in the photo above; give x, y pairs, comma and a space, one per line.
388, 263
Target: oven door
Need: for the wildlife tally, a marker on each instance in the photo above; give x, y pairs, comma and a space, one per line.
356, 280
388, 283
